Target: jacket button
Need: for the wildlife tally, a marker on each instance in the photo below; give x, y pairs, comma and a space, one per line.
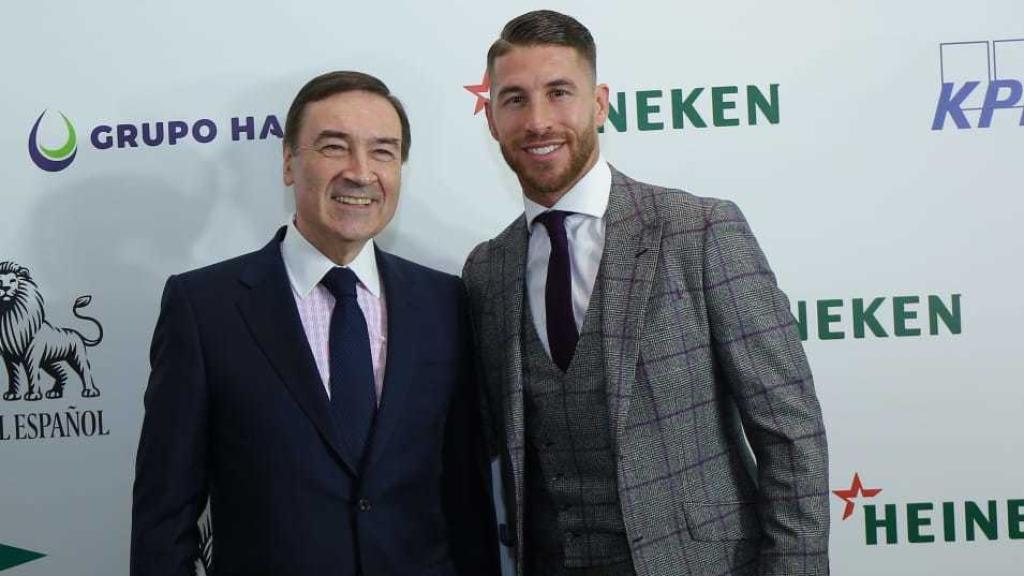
506, 535
364, 505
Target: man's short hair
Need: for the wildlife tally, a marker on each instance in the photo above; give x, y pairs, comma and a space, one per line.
544, 27
327, 85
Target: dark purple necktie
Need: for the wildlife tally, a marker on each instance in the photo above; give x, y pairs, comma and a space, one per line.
561, 324
353, 394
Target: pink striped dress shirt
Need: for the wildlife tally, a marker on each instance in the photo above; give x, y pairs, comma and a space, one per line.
306, 266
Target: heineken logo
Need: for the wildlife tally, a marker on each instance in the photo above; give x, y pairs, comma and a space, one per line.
481, 91
880, 317
851, 494
692, 108
930, 522
676, 108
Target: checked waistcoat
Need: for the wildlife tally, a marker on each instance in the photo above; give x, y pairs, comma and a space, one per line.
573, 517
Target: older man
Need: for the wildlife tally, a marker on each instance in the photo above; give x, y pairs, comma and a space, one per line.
316, 391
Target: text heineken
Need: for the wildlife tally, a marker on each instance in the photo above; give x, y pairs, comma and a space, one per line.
930, 522
879, 317
686, 108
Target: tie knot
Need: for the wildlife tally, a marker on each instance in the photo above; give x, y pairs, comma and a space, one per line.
340, 282
554, 221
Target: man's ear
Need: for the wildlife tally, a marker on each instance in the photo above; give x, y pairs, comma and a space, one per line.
286, 170
490, 119
601, 108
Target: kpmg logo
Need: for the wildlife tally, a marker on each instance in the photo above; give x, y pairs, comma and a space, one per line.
980, 79
53, 159
150, 134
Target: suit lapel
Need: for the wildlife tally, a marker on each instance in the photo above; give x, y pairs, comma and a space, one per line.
402, 353
506, 282
269, 310
631, 248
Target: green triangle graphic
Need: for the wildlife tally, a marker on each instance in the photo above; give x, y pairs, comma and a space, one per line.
11, 557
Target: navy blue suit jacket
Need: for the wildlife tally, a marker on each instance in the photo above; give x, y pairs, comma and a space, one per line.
236, 411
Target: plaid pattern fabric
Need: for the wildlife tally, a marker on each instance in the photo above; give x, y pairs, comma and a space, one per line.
700, 351
573, 516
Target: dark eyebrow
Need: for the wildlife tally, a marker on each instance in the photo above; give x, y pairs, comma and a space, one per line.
325, 134
556, 83
506, 90
339, 135
561, 83
393, 142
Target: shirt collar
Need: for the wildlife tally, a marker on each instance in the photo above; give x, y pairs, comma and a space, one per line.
589, 196
306, 265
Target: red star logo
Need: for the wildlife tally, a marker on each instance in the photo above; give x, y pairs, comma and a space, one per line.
480, 90
856, 489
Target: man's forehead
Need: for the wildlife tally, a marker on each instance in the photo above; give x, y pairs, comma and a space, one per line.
537, 64
353, 113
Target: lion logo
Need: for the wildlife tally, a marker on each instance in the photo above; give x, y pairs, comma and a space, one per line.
30, 345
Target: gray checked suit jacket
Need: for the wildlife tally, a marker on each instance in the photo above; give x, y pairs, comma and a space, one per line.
704, 370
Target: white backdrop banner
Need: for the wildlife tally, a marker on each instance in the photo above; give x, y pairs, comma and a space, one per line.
874, 146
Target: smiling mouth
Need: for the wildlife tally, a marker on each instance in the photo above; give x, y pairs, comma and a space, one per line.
542, 150
352, 200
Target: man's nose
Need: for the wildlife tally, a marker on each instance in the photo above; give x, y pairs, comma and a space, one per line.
359, 170
538, 119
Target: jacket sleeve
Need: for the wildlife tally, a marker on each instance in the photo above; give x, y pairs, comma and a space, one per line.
170, 489
472, 276
758, 349
468, 500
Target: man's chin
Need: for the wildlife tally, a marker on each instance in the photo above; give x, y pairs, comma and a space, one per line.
546, 184
533, 174
551, 179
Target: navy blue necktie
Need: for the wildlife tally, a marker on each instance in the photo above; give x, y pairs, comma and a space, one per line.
353, 393
561, 324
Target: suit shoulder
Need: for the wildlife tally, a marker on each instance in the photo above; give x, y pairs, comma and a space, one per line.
676, 204
481, 253
422, 274
217, 274
477, 256
512, 228
678, 199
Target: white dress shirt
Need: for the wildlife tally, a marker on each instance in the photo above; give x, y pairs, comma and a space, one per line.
585, 228
306, 267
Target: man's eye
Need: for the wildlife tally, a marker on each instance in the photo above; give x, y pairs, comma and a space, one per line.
384, 155
559, 93
514, 100
332, 149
